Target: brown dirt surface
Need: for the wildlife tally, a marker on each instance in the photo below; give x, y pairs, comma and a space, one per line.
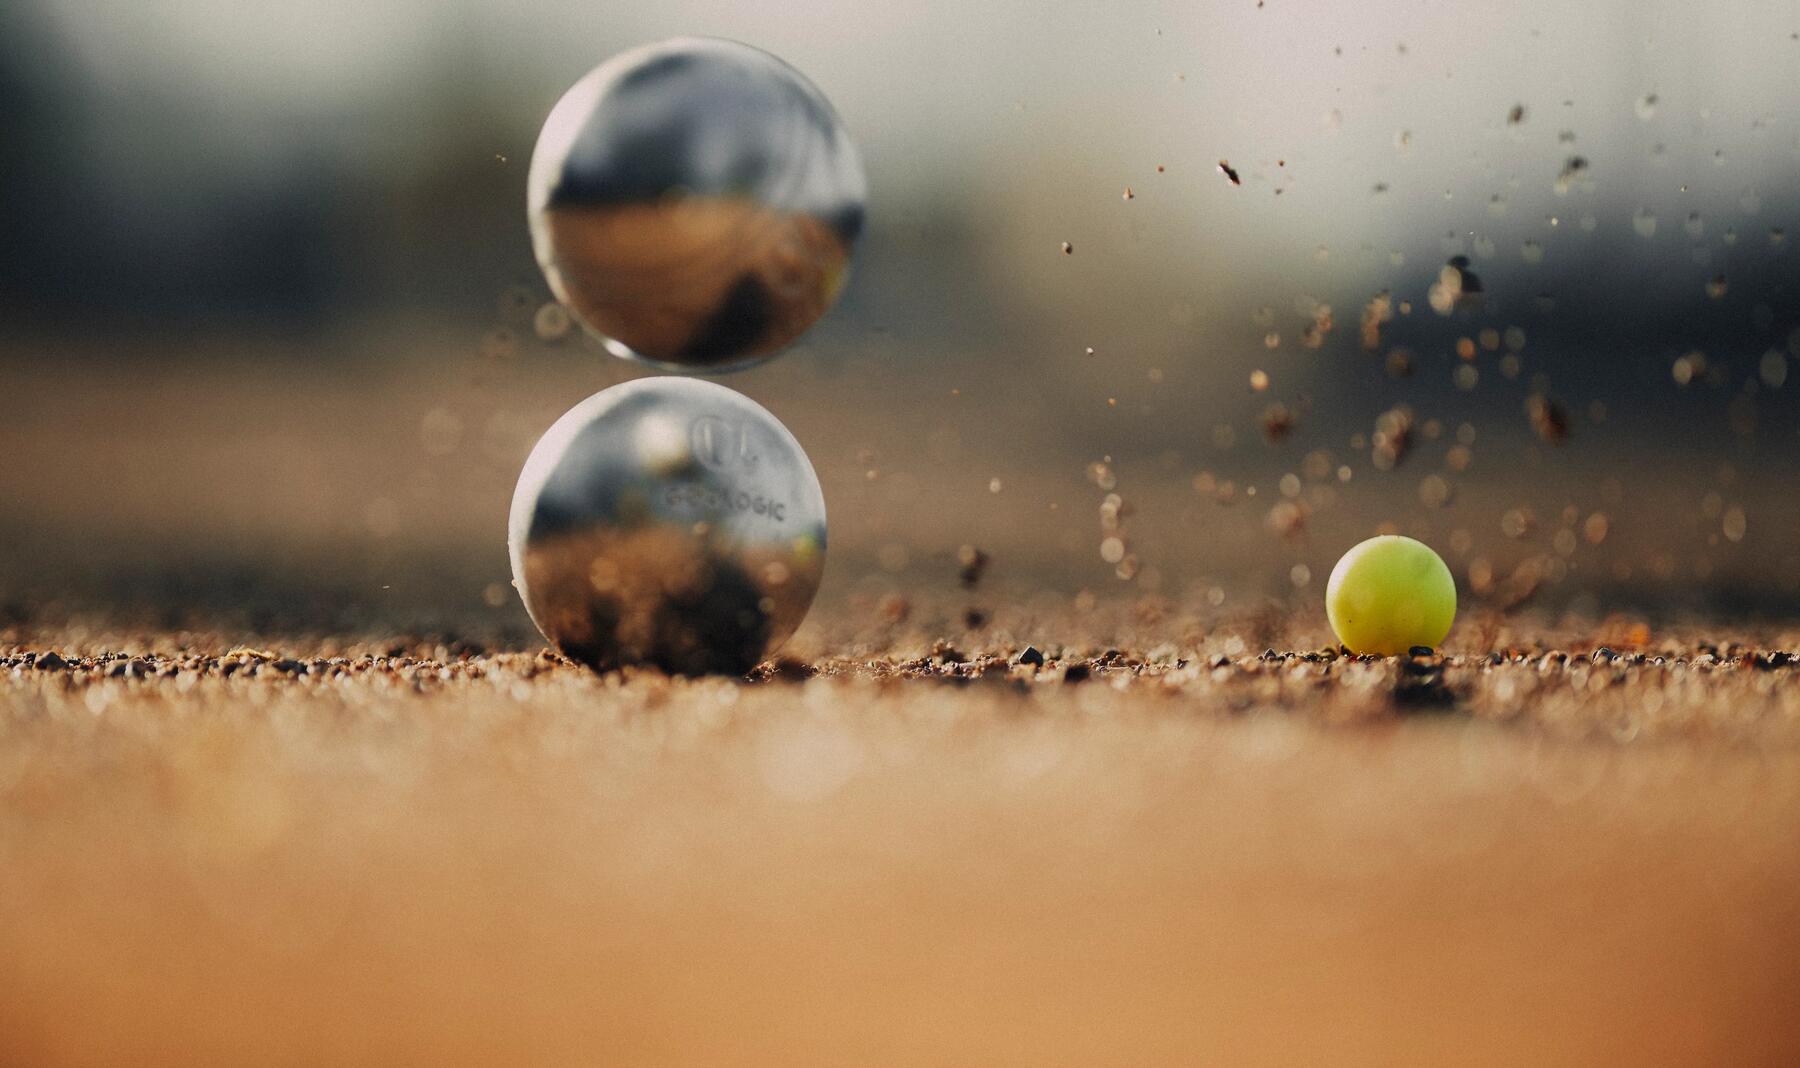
1170, 841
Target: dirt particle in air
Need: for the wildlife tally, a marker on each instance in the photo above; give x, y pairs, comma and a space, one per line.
1548, 418
1393, 437
974, 564
1278, 421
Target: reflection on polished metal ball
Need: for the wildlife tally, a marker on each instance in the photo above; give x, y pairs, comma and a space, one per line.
669, 522
695, 203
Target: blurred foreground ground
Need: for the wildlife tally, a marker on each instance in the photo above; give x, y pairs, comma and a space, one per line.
895, 850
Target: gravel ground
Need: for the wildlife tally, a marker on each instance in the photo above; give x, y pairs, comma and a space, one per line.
1167, 845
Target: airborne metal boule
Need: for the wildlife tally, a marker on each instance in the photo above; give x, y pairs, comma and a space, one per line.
695, 203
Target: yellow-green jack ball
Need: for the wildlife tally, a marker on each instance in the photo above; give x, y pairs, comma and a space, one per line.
1389, 594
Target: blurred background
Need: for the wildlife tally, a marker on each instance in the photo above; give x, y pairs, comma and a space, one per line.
1516, 279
